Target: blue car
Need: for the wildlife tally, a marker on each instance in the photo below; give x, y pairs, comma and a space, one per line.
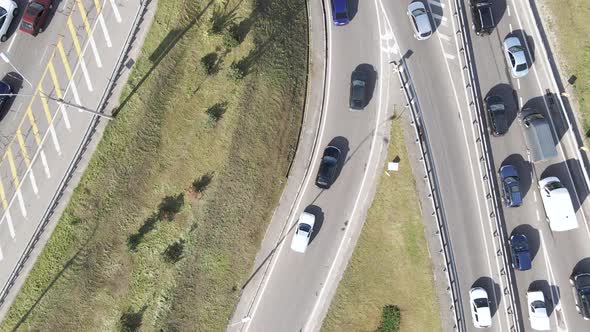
521, 256
340, 12
510, 186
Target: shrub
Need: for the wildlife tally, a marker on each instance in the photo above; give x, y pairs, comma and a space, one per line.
390, 319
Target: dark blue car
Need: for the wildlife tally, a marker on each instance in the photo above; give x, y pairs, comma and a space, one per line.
510, 186
5, 91
521, 256
340, 12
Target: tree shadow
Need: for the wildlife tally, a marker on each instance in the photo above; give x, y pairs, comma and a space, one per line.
372, 74
562, 171
493, 290
524, 168
532, 235
508, 95
135, 239
131, 320
551, 293
169, 42
342, 144
319, 220
15, 81
170, 206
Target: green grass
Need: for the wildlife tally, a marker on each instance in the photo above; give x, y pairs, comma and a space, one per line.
390, 265
145, 242
569, 24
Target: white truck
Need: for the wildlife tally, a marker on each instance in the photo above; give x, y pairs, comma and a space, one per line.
558, 205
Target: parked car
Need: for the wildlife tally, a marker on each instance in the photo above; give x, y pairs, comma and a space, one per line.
5, 90
497, 114
480, 307
420, 20
483, 17
581, 287
515, 57
35, 16
340, 14
358, 90
328, 167
510, 186
8, 11
303, 232
521, 255
538, 316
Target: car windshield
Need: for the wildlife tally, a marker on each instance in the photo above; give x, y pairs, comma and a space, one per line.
330, 161
554, 185
521, 67
340, 15
537, 305
418, 12
515, 49
496, 107
26, 25
36, 6
519, 246
304, 228
481, 303
358, 83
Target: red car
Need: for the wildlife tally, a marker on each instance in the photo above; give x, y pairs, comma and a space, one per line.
35, 16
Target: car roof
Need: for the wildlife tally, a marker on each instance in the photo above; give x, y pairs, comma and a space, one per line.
307, 218
538, 137
559, 208
511, 41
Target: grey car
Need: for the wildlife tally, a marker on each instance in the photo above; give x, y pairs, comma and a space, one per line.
420, 20
515, 57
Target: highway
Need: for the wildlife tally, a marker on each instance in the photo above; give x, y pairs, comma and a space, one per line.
74, 59
555, 255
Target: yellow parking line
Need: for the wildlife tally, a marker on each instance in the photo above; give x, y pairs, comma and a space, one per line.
74, 37
97, 5
54, 79
45, 106
23, 148
34, 125
12, 166
83, 14
64, 59
3, 196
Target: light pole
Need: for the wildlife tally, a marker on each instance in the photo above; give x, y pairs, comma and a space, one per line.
60, 101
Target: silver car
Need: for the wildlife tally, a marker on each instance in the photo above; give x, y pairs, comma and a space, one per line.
515, 57
420, 20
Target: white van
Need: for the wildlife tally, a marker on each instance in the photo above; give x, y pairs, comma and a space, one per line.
558, 205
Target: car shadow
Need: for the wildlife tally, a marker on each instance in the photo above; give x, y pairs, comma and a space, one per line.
524, 168
342, 144
51, 14
22, 5
551, 293
319, 220
528, 42
508, 95
353, 7
532, 235
562, 171
498, 10
493, 290
435, 14
15, 81
371, 73
583, 266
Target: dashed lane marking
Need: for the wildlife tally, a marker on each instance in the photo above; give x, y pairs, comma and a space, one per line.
105, 31
79, 52
11, 43
441, 18
21, 203
89, 32
445, 37
34, 183
115, 11
449, 56
45, 165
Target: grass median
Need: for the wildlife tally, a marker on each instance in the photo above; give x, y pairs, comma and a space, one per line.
389, 277
163, 228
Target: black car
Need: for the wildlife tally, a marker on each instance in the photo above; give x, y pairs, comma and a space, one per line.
5, 91
497, 113
483, 17
581, 286
358, 90
328, 167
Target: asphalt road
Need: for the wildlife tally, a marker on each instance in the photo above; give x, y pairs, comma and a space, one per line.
72, 59
555, 255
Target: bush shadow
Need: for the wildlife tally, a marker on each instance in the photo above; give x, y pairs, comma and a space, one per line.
319, 220
493, 290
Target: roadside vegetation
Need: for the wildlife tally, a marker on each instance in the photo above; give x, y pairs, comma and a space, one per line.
163, 228
388, 284
568, 22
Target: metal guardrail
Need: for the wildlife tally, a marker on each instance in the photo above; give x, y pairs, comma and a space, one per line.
485, 150
434, 195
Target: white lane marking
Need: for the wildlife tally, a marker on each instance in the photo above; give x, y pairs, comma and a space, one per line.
449, 56
21, 202
498, 269
54, 139
443, 36
10, 224
62, 109
518, 83
439, 17
510, 27
1, 254
116, 11
552, 280
521, 104
75, 94
436, 3
34, 183
42, 57
86, 76
45, 166
11, 43
535, 195
508, 8
273, 262
542, 93
107, 38
538, 216
16, 113
95, 51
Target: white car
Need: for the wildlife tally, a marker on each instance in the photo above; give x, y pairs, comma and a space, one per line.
8, 11
420, 20
303, 232
515, 57
480, 307
537, 311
